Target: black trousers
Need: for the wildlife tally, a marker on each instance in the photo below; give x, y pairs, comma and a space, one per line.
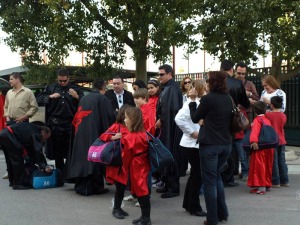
191, 201
61, 144
228, 174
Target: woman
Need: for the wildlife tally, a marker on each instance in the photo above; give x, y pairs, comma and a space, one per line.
215, 141
188, 143
138, 84
185, 85
272, 88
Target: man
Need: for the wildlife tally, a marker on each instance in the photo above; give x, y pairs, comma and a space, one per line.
20, 103
61, 100
119, 96
94, 116
19, 141
169, 103
237, 92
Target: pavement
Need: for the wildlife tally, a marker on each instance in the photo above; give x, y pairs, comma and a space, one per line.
62, 206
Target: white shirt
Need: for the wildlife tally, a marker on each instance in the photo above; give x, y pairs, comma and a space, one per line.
279, 93
120, 99
185, 123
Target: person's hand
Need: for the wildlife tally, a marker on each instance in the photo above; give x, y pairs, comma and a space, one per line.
21, 119
158, 124
192, 94
265, 100
73, 93
48, 169
201, 122
195, 134
116, 136
55, 95
249, 94
252, 101
254, 146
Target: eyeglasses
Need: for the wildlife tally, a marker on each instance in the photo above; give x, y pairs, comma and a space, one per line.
239, 73
120, 100
161, 74
62, 81
187, 82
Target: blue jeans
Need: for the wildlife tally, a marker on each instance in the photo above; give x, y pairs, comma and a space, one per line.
242, 156
213, 160
280, 170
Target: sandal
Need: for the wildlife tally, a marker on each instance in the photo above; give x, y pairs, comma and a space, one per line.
260, 192
253, 191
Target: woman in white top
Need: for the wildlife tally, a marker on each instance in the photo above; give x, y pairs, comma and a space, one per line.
191, 201
271, 88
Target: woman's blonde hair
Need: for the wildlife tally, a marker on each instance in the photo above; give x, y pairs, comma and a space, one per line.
199, 86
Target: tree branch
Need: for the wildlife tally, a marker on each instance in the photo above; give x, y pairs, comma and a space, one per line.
115, 32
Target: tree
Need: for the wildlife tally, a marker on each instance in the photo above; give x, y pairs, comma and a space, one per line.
100, 28
240, 30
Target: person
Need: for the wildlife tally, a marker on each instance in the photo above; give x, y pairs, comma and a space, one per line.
136, 163
119, 96
138, 84
154, 90
261, 161
191, 201
237, 91
169, 103
20, 103
19, 141
278, 119
141, 97
61, 102
93, 117
185, 85
2, 117
272, 88
215, 140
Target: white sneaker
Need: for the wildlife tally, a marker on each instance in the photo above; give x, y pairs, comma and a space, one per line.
130, 198
159, 184
137, 204
5, 176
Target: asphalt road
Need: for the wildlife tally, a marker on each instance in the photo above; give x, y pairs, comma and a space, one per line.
62, 206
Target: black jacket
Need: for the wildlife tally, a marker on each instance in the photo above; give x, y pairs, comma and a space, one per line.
237, 91
127, 99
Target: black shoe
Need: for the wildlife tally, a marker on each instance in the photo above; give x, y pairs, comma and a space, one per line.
101, 191
123, 212
231, 184
21, 187
199, 213
144, 221
162, 190
136, 220
118, 214
170, 194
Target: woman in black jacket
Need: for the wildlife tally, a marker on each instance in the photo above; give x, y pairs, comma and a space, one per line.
214, 139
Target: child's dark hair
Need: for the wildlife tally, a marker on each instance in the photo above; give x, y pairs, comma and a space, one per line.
155, 83
259, 107
136, 117
121, 114
276, 101
141, 93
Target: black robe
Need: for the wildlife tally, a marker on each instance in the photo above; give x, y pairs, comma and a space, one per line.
94, 116
169, 103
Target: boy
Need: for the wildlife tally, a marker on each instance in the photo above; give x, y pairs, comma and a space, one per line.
278, 120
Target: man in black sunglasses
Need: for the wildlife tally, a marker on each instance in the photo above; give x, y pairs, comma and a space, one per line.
61, 102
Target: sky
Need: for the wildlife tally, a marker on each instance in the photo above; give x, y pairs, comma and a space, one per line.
198, 62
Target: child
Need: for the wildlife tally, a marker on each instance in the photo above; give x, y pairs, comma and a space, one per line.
278, 120
261, 161
136, 162
141, 97
154, 91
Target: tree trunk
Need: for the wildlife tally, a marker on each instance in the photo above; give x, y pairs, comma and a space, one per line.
141, 66
276, 69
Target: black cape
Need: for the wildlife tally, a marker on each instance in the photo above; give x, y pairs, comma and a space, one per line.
169, 103
94, 116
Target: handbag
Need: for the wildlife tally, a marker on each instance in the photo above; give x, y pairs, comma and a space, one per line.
238, 121
41, 179
160, 156
268, 138
106, 153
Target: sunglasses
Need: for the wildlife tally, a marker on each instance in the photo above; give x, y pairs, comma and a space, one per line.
62, 81
187, 82
239, 73
161, 74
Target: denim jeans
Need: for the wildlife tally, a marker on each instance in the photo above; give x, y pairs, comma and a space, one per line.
213, 159
237, 144
280, 170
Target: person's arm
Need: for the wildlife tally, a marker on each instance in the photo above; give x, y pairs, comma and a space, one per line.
182, 120
199, 113
33, 106
242, 97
